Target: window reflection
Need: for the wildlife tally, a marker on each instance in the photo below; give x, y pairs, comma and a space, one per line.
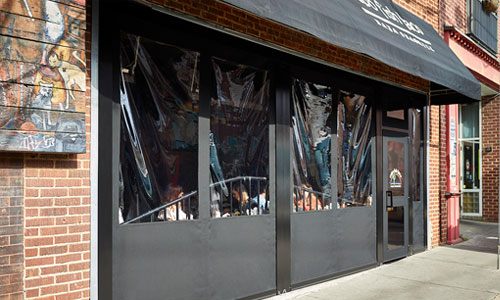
311, 119
354, 147
159, 131
239, 140
416, 152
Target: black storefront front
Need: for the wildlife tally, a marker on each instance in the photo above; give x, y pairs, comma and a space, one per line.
229, 168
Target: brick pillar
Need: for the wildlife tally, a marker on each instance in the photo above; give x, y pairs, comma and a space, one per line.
11, 226
443, 176
434, 176
490, 112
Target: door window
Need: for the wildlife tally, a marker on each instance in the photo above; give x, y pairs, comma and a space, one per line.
239, 140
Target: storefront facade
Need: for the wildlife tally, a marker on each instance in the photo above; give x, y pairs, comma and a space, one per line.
289, 167
228, 154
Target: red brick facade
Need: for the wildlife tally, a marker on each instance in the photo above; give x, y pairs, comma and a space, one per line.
490, 112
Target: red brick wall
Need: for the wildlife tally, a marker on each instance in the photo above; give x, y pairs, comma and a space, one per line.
238, 20
11, 226
490, 138
52, 191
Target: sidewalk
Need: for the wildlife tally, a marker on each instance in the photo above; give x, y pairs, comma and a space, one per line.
464, 271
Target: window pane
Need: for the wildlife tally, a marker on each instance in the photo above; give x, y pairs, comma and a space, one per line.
470, 203
311, 119
416, 152
471, 172
395, 227
470, 120
159, 131
354, 146
239, 140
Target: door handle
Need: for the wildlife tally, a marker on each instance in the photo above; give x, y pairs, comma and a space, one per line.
388, 199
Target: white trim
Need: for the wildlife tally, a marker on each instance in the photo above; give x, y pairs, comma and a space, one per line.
478, 190
94, 150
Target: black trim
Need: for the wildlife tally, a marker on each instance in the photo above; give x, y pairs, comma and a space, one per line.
283, 181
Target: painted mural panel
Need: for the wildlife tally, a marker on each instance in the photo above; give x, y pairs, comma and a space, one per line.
42, 76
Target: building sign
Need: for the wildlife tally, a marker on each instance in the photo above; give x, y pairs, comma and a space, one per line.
395, 179
393, 22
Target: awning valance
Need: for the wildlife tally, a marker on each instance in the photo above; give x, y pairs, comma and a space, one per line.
382, 30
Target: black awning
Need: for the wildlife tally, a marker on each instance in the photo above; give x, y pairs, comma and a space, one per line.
380, 29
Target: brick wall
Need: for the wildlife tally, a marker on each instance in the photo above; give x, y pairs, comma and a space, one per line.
11, 226
51, 191
238, 20
490, 138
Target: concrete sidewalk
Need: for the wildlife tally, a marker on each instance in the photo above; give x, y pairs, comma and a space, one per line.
448, 272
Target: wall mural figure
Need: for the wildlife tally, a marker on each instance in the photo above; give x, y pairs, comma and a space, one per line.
42, 84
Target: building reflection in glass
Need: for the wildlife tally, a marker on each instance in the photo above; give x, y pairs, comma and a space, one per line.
354, 150
311, 159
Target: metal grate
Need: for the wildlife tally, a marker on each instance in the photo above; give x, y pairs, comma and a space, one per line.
483, 25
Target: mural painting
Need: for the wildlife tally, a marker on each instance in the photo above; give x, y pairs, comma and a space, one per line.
42, 76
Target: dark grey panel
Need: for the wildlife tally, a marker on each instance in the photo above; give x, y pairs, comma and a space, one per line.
219, 259
418, 225
241, 257
356, 237
328, 242
166, 260
313, 245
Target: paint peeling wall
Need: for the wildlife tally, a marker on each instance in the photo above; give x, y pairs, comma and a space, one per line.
42, 75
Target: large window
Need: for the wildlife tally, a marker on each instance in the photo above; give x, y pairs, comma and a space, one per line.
470, 143
311, 158
239, 140
159, 131
354, 150
483, 24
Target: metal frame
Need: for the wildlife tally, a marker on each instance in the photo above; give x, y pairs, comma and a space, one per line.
94, 152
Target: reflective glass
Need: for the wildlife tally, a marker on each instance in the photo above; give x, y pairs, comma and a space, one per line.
470, 120
159, 131
239, 140
395, 227
416, 152
471, 171
311, 159
354, 147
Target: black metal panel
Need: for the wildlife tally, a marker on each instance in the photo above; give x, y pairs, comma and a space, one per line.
241, 257
283, 181
330, 242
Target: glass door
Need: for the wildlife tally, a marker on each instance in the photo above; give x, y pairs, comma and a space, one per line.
395, 185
